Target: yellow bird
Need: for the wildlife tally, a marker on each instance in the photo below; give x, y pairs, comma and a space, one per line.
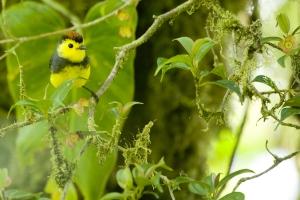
70, 61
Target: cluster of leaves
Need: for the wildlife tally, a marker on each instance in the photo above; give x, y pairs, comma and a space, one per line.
146, 175
47, 106
210, 185
142, 175
196, 51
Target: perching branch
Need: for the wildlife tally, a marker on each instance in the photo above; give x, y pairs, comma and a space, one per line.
277, 161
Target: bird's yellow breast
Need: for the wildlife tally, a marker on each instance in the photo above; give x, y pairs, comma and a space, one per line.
71, 72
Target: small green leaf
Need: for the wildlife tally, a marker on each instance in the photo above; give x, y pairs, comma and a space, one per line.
283, 22
124, 178
281, 61
197, 44
60, 93
156, 182
204, 73
183, 179
113, 195
139, 170
153, 193
187, 43
44, 106
209, 180
20, 194
286, 112
162, 164
115, 111
217, 180
295, 31
29, 103
3, 175
230, 176
120, 108
184, 58
295, 101
142, 181
265, 80
204, 48
129, 105
233, 196
219, 71
229, 85
199, 188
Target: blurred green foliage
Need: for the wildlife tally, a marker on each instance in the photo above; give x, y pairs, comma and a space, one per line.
34, 19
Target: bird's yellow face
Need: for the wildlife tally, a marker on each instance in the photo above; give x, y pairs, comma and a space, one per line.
71, 50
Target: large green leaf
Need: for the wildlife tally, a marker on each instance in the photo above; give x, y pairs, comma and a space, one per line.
28, 19
229, 85
287, 112
187, 43
294, 101
266, 80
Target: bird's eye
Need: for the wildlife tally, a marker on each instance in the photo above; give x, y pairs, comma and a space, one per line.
70, 45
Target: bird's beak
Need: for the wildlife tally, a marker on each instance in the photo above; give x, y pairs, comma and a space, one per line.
82, 47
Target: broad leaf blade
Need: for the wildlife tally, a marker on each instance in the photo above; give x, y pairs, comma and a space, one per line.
232, 175
187, 43
219, 71
265, 80
29, 103
113, 195
233, 196
204, 48
183, 61
199, 188
61, 92
295, 101
283, 22
228, 85
183, 179
281, 61
287, 112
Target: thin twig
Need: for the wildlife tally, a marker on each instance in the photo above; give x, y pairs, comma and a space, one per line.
277, 161
274, 46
